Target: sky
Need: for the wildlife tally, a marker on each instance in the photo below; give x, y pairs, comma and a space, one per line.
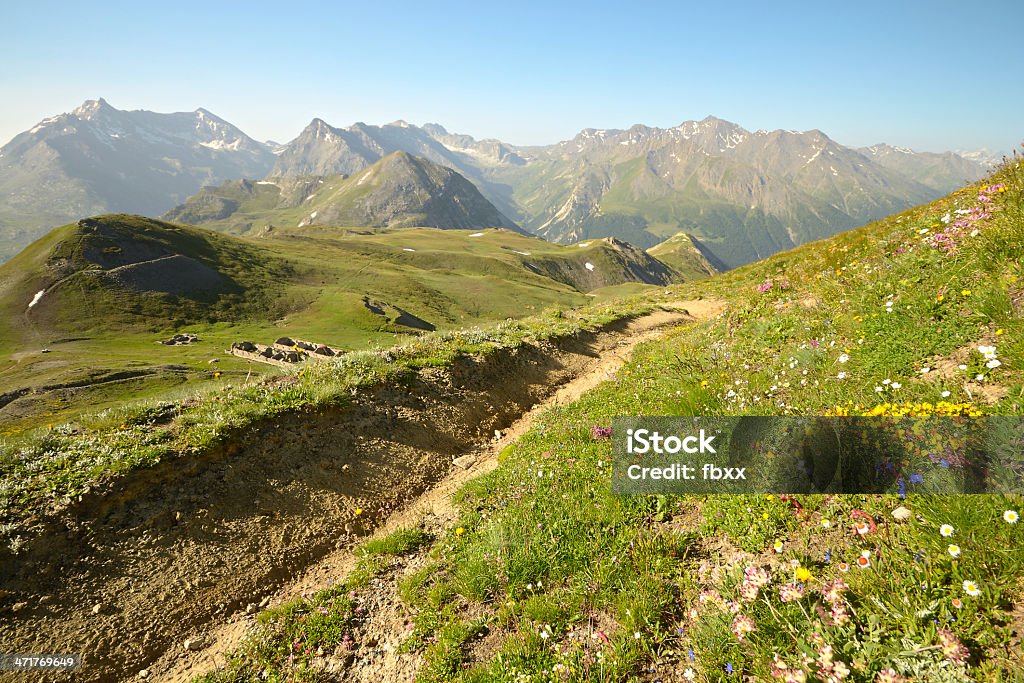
927, 75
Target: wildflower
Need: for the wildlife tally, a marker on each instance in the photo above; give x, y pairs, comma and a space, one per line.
965, 292
359, 511
778, 546
838, 614
989, 352
993, 364
742, 625
889, 676
832, 591
825, 523
841, 375
689, 674
756, 576
636, 636
946, 530
952, 648
791, 592
803, 574
945, 394
598, 432
925, 370
843, 357
843, 567
954, 550
957, 603
897, 385
460, 531
728, 668
1010, 516
916, 478
971, 588
863, 562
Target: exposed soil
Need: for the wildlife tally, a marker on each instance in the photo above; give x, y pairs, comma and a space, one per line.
189, 550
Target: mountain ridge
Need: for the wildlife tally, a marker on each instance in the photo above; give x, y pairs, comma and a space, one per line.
742, 194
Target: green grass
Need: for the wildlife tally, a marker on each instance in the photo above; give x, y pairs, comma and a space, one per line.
584, 585
308, 283
55, 464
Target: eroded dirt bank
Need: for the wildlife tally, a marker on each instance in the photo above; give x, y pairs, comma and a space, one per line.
179, 553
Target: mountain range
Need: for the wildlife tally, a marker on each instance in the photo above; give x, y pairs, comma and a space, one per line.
741, 195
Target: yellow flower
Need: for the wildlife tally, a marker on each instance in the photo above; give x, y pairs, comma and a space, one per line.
359, 511
803, 574
1000, 332
460, 531
965, 292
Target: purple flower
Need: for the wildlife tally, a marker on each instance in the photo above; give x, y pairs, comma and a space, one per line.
765, 286
598, 432
728, 667
916, 478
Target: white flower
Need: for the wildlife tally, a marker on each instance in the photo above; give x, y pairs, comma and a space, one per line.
636, 636
992, 364
843, 357
974, 233
901, 513
886, 381
945, 394
946, 530
841, 375
689, 674
971, 588
954, 550
987, 351
961, 367
879, 389
827, 523
979, 377
925, 370
897, 385
1010, 516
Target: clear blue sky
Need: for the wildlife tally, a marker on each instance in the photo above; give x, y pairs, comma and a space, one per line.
930, 75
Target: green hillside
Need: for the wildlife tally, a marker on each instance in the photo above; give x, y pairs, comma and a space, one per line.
398, 191
112, 286
683, 253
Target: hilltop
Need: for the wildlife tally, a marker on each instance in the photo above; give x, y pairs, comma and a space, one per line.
400, 190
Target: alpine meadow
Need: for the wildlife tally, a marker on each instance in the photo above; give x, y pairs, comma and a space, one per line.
682, 400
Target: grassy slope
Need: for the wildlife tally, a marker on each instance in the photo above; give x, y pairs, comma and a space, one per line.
307, 282
580, 584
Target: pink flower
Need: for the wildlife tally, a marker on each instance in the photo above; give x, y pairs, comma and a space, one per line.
791, 592
742, 625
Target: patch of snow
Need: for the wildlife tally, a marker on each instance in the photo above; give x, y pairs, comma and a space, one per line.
407, 249
312, 215
588, 266
477, 234
279, 152
221, 144
834, 171
36, 298
309, 197
583, 244
265, 182
521, 253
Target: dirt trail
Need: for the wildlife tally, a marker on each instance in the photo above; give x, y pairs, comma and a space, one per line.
189, 552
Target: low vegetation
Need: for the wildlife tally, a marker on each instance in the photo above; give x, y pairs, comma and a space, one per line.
914, 315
